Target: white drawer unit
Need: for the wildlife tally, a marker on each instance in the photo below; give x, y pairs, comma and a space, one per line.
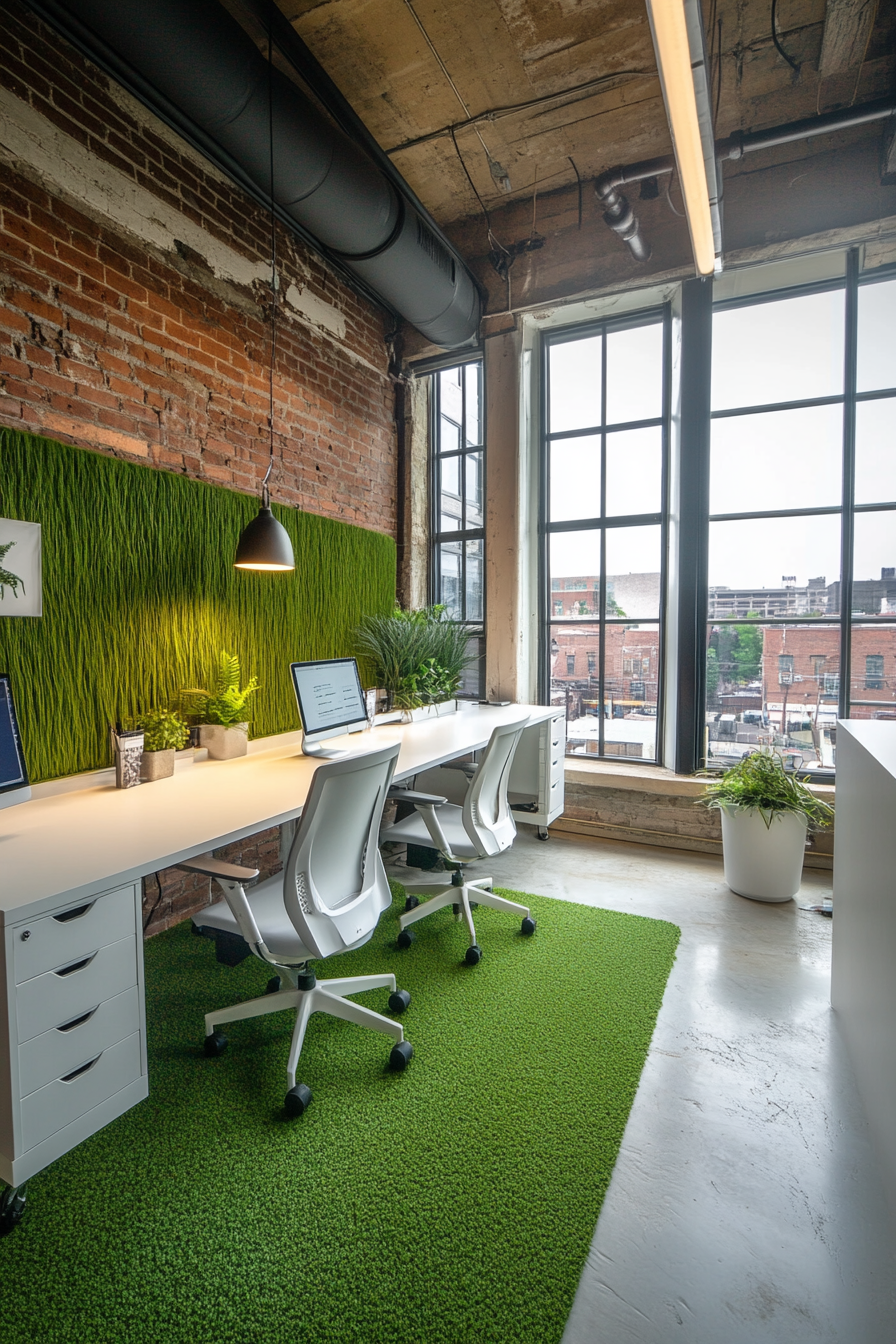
537, 778
72, 1025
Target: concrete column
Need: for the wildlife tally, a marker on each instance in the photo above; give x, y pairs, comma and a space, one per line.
413, 568
506, 527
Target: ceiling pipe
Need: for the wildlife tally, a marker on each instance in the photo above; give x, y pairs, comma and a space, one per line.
620, 217
195, 66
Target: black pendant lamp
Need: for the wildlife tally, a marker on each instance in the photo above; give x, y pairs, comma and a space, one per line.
264, 544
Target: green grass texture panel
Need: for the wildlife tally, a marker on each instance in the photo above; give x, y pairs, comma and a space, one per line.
450, 1203
140, 596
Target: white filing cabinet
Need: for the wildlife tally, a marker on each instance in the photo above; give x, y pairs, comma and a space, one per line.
536, 786
72, 1026
537, 773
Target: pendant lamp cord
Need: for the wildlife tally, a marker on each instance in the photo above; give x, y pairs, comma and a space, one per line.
265, 494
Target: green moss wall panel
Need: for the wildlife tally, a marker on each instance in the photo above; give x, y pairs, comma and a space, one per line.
140, 595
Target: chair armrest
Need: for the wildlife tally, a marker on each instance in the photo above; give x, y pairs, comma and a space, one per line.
398, 795
468, 768
212, 867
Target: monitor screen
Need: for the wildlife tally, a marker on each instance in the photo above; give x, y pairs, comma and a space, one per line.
13, 774
329, 695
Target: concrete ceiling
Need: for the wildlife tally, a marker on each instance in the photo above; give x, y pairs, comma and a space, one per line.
548, 88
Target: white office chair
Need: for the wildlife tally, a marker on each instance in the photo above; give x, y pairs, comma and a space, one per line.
327, 899
480, 829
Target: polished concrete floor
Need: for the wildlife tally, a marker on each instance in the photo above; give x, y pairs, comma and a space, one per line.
745, 1206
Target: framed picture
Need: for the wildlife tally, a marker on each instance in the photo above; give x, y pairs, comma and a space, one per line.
20, 572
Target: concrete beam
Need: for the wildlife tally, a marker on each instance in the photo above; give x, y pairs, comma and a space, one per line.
847, 29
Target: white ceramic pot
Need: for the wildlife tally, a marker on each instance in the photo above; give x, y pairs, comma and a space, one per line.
156, 765
223, 744
763, 862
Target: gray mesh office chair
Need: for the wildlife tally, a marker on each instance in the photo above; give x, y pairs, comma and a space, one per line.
480, 829
327, 900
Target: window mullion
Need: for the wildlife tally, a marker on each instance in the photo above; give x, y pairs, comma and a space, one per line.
847, 528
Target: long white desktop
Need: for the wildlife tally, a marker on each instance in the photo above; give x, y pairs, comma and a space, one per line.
72, 1012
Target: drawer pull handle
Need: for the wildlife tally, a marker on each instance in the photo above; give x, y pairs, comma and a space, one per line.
75, 913
76, 1073
75, 966
77, 1021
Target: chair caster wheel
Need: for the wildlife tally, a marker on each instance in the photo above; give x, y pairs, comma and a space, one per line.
215, 1044
400, 1056
541, 834
399, 1000
405, 938
12, 1209
297, 1101
273, 985
411, 902
528, 926
473, 954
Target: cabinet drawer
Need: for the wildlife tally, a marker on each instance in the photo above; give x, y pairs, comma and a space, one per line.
49, 1000
57, 1052
72, 932
53, 1107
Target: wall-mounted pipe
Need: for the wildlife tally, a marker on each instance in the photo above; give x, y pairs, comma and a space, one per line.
191, 62
621, 218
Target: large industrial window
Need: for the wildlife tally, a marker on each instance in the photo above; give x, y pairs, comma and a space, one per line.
458, 505
604, 452
802, 530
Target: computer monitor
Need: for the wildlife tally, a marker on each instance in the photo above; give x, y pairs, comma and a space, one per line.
331, 701
14, 786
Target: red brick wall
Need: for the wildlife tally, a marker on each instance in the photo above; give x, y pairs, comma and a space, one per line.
135, 344
135, 348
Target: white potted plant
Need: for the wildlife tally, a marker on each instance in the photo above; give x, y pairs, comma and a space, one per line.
223, 727
164, 733
766, 812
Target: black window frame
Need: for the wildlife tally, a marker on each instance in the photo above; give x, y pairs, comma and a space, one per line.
437, 536
850, 283
547, 622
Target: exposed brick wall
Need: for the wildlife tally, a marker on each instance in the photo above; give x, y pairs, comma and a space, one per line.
149, 337
672, 820
173, 895
134, 320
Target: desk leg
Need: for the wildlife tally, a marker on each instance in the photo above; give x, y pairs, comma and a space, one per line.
287, 835
12, 1207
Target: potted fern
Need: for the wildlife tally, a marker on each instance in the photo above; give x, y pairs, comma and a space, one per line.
164, 733
417, 657
766, 812
221, 712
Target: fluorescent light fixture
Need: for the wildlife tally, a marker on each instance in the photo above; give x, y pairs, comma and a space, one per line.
679, 70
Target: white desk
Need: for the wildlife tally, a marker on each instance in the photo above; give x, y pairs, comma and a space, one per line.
72, 1017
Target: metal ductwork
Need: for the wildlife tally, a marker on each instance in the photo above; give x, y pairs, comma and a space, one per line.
194, 65
619, 215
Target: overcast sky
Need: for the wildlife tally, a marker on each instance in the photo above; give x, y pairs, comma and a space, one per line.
781, 351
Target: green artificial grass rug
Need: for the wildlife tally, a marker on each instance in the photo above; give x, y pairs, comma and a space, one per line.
452, 1202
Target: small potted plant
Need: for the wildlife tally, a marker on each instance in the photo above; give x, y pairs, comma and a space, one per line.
164, 733
766, 812
223, 725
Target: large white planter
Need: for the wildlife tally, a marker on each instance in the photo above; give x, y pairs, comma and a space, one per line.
223, 744
764, 863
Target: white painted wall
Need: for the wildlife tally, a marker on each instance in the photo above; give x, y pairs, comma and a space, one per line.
863, 973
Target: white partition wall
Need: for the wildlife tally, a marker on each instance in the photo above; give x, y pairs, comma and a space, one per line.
863, 979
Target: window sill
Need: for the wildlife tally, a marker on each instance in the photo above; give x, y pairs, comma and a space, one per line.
659, 779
